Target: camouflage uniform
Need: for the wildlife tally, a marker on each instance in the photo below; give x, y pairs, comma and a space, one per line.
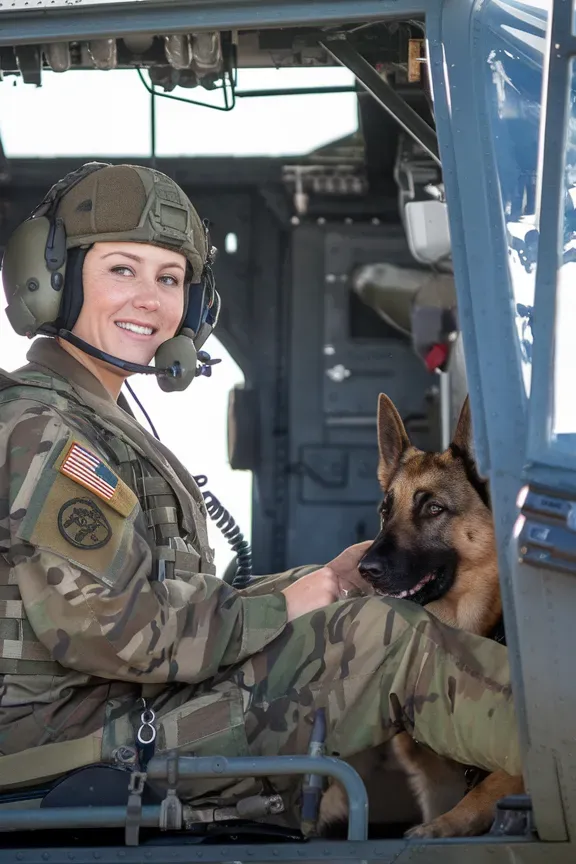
83, 596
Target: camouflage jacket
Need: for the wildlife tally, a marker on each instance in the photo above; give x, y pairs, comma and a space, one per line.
94, 515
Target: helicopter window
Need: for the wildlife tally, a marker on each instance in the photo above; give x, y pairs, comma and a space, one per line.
513, 77
563, 431
110, 115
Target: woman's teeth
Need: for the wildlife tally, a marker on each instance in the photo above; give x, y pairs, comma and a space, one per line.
135, 328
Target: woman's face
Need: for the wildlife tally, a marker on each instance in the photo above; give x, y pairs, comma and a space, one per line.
133, 299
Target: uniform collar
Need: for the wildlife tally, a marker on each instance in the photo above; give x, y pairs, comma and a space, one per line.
46, 353
48, 356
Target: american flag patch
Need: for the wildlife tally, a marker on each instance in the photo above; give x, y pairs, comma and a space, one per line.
84, 467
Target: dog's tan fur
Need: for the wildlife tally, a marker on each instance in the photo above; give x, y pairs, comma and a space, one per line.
472, 603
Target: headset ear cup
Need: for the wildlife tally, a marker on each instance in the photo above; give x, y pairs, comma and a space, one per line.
34, 293
73, 289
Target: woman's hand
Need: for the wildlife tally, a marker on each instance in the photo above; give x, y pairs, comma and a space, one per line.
311, 592
336, 581
345, 566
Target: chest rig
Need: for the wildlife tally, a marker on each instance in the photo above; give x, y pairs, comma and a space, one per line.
176, 554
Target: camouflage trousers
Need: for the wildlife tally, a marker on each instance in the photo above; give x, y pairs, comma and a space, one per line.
376, 665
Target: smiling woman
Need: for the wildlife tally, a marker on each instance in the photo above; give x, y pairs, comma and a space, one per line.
133, 301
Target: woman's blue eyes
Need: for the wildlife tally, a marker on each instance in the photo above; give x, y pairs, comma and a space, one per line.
167, 278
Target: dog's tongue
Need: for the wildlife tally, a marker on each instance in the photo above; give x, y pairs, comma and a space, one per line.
416, 588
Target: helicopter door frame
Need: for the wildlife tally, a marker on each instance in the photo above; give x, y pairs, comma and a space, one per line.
543, 551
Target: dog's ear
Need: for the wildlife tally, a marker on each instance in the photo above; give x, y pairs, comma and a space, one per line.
463, 446
392, 439
463, 438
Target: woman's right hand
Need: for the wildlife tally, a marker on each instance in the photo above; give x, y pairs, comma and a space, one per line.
310, 592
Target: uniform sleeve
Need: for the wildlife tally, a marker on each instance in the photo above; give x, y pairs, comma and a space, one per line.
276, 582
80, 557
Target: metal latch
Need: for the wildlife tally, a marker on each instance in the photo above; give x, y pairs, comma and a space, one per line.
546, 529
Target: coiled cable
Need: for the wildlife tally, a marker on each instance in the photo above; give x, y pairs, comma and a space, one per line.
219, 514
230, 530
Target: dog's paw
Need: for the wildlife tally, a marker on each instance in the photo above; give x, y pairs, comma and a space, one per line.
440, 827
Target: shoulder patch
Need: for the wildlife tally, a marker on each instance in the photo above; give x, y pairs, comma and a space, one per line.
83, 524
84, 467
63, 515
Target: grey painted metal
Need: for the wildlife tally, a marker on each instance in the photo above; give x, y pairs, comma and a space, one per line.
38, 25
24, 5
58, 818
161, 768
562, 48
266, 277
472, 850
189, 767
485, 303
333, 453
4, 165
294, 91
545, 599
445, 409
408, 119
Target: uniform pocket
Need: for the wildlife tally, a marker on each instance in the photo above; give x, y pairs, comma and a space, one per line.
207, 724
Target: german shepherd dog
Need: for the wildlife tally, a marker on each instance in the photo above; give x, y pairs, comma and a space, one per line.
437, 548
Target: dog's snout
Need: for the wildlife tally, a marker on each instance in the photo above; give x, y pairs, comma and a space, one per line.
370, 567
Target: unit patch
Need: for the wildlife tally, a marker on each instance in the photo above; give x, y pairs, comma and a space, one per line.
83, 524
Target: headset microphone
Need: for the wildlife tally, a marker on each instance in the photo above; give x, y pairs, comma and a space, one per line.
174, 371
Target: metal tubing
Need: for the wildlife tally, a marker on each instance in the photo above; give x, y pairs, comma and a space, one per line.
295, 91
409, 120
58, 20
190, 767
74, 817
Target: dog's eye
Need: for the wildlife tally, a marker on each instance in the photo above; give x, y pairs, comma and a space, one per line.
433, 509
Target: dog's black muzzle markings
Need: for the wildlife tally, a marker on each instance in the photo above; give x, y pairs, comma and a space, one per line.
419, 575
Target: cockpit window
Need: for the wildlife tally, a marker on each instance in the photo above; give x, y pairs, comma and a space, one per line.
563, 431
515, 43
112, 116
